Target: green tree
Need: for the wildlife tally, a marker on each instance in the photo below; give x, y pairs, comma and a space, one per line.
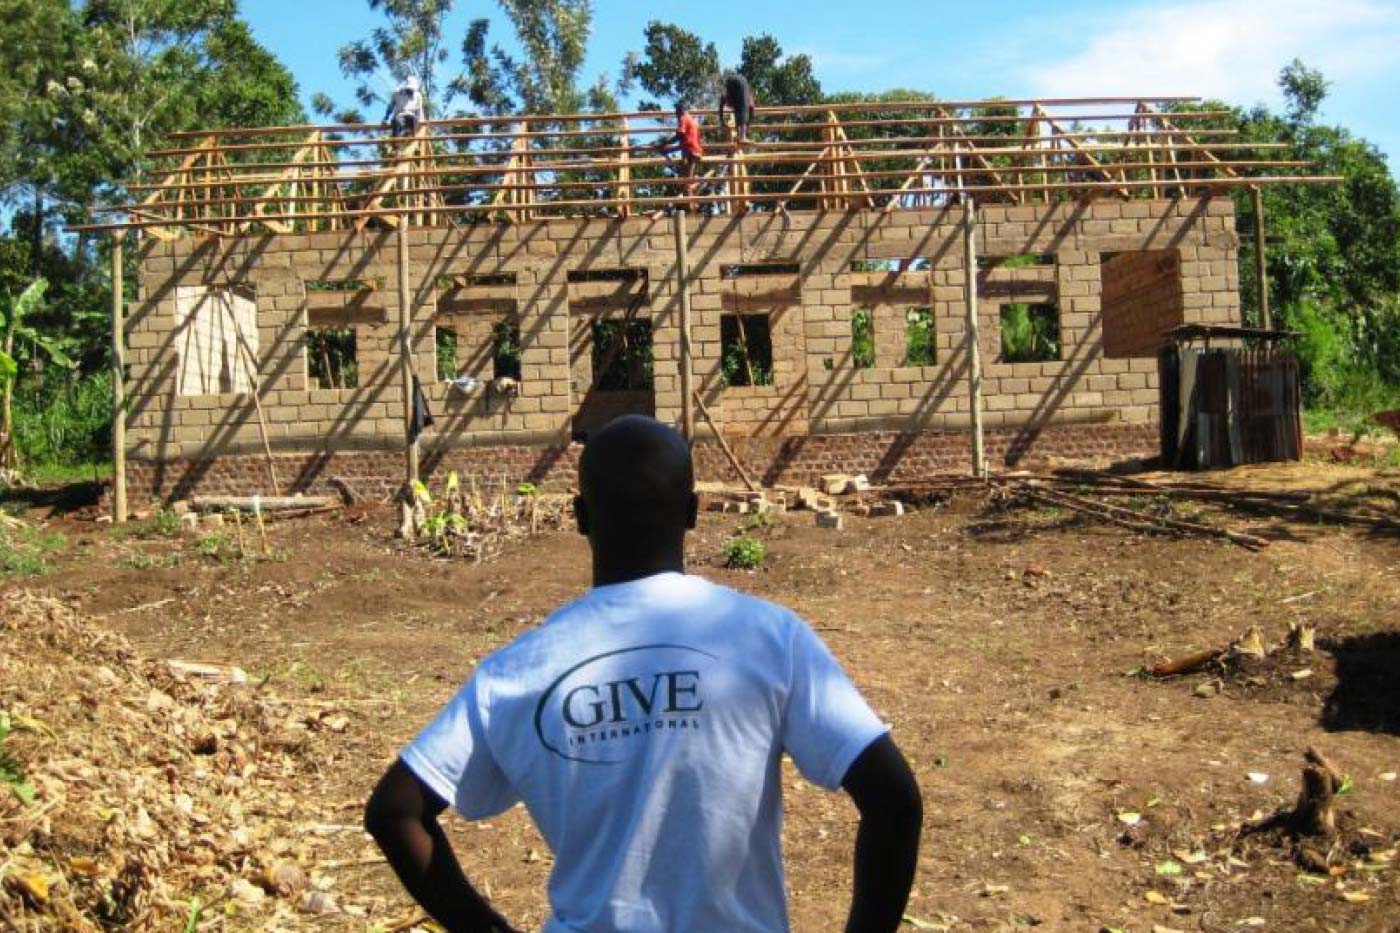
1333, 251
553, 35
674, 64
776, 79
410, 42
42, 85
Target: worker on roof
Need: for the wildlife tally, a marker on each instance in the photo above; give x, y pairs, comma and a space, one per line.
405, 111
738, 97
687, 141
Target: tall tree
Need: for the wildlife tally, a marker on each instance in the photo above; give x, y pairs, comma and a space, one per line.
174, 64
777, 79
1333, 262
41, 104
410, 42
553, 36
675, 64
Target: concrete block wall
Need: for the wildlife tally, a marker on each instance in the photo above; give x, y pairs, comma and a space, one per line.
817, 390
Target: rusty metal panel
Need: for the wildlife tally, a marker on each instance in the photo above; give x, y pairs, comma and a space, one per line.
1227, 406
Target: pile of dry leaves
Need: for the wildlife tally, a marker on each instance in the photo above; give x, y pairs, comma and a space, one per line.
143, 795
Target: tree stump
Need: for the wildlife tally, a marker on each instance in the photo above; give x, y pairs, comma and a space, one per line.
1313, 816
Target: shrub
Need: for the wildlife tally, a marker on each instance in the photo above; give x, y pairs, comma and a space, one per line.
745, 553
63, 421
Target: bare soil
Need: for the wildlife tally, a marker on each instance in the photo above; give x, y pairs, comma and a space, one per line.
1064, 789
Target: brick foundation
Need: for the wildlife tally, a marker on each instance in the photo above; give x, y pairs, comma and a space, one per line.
883, 455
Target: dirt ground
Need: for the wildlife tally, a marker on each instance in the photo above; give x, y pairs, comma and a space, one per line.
1063, 789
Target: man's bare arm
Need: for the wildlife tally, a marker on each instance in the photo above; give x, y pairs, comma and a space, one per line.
887, 843
402, 816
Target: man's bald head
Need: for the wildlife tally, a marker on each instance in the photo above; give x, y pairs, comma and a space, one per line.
636, 486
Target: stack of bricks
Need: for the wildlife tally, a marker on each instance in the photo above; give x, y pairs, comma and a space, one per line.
177, 441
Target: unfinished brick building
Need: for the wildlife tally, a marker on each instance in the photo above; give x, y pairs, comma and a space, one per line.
286, 304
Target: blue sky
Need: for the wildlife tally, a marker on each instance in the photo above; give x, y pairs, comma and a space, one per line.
1230, 49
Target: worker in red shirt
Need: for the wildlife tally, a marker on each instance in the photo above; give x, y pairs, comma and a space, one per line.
687, 142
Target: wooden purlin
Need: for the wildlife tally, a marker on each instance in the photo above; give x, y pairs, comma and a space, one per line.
1078, 148
518, 182
176, 182
971, 149
1136, 125
290, 178
399, 171
714, 176
1081, 189
538, 167
843, 174
222, 186
1168, 124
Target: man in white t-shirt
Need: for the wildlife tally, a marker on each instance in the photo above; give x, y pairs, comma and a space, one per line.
405, 110
643, 725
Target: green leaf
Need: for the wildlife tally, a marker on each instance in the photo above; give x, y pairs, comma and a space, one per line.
1168, 868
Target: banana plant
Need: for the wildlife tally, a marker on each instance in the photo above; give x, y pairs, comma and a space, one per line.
13, 311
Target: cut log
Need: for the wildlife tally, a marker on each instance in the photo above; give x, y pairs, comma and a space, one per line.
1192, 662
261, 503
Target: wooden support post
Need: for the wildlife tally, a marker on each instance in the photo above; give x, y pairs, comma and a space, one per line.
406, 358
683, 291
1261, 272
119, 511
974, 349
724, 446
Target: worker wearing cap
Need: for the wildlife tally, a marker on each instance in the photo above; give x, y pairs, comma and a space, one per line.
405, 111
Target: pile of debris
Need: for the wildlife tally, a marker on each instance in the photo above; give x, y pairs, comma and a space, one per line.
834, 495
467, 522
1248, 662
150, 794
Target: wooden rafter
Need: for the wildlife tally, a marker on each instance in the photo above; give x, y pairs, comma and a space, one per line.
959, 134
286, 179
1078, 148
289, 177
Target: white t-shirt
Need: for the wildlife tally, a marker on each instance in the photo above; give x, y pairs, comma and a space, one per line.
642, 725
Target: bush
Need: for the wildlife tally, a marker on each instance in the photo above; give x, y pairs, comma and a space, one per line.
745, 553
1340, 390
63, 421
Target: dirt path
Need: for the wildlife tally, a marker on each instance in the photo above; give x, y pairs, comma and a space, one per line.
1000, 645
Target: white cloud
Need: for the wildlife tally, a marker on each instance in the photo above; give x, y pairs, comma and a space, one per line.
1227, 49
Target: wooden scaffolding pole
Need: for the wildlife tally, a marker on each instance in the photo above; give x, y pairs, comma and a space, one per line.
678, 223
119, 510
1261, 272
974, 347
406, 360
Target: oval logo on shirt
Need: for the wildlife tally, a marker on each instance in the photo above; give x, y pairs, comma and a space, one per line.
613, 705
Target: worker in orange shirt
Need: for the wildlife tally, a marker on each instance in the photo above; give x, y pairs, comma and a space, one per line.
687, 142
